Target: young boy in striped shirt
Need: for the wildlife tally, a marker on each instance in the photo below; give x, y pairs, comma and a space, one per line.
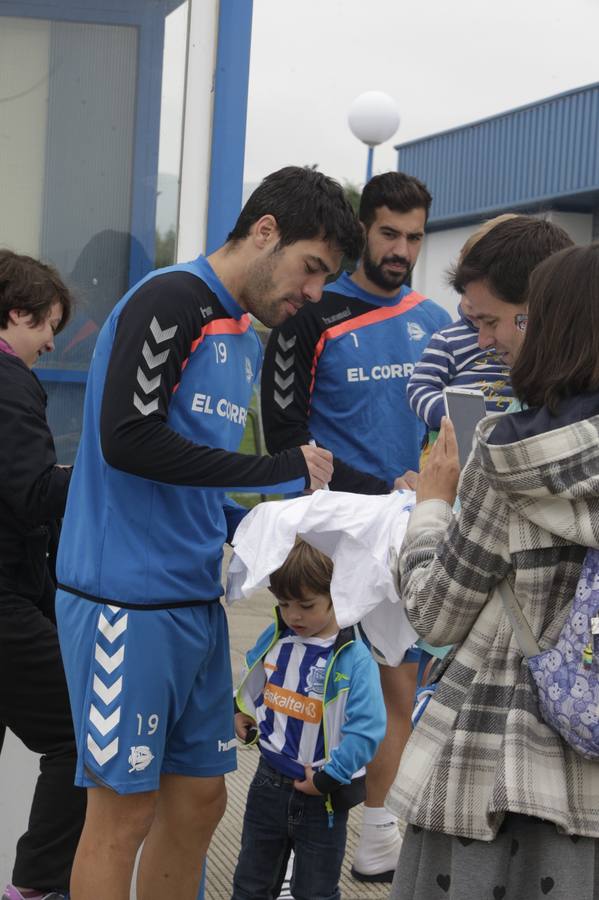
311, 698
454, 357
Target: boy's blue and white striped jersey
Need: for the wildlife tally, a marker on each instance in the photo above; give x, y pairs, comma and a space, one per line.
353, 717
454, 358
289, 710
166, 404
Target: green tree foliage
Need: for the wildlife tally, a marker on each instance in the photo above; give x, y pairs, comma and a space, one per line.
165, 248
353, 194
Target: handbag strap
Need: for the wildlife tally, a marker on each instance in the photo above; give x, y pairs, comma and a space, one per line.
522, 630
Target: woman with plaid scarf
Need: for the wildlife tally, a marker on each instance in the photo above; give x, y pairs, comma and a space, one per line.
497, 804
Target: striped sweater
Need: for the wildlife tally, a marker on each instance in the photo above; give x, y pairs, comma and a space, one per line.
454, 358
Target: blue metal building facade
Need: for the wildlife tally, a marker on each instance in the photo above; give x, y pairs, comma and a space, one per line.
100, 136
537, 157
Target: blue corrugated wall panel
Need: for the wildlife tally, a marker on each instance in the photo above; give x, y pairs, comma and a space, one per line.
523, 157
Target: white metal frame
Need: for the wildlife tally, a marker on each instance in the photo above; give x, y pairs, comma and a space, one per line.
194, 189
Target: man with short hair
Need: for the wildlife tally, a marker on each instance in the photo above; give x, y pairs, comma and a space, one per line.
337, 374
493, 279
143, 635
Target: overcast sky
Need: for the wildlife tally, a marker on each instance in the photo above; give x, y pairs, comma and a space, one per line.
445, 62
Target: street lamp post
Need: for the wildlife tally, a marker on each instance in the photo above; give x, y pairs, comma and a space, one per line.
373, 118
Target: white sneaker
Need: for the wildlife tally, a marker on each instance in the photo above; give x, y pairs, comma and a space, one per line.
375, 859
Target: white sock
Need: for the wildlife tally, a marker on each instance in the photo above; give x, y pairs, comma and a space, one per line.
377, 815
380, 842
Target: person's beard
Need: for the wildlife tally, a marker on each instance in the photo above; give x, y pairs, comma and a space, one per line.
260, 297
387, 281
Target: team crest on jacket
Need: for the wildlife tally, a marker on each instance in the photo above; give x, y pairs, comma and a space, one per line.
315, 677
415, 331
248, 370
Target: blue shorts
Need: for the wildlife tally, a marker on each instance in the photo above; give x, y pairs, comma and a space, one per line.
151, 692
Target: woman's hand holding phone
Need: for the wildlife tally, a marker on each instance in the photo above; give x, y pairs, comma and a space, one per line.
438, 480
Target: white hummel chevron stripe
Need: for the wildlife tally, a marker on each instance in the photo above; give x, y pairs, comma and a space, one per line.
102, 755
112, 632
109, 663
146, 384
102, 723
107, 694
284, 383
114, 609
160, 334
283, 364
145, 408
283, 402
286, 345
151, 359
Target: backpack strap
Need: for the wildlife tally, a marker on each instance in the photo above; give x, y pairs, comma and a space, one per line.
522, 630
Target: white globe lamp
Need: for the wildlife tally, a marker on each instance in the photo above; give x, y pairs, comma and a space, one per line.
373, 118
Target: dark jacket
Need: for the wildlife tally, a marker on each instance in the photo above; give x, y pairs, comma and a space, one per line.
33, 490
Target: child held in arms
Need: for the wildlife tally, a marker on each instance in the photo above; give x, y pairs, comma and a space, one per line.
454, 358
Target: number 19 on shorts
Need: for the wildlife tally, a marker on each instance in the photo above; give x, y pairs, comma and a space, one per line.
149, 725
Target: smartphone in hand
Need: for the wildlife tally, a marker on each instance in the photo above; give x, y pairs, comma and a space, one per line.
465, 408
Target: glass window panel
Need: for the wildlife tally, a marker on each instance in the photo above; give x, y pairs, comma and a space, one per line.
90, 144
24, 61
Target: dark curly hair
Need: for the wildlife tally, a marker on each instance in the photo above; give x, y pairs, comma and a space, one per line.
306, 204
506, 255
31, 286
398, 192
